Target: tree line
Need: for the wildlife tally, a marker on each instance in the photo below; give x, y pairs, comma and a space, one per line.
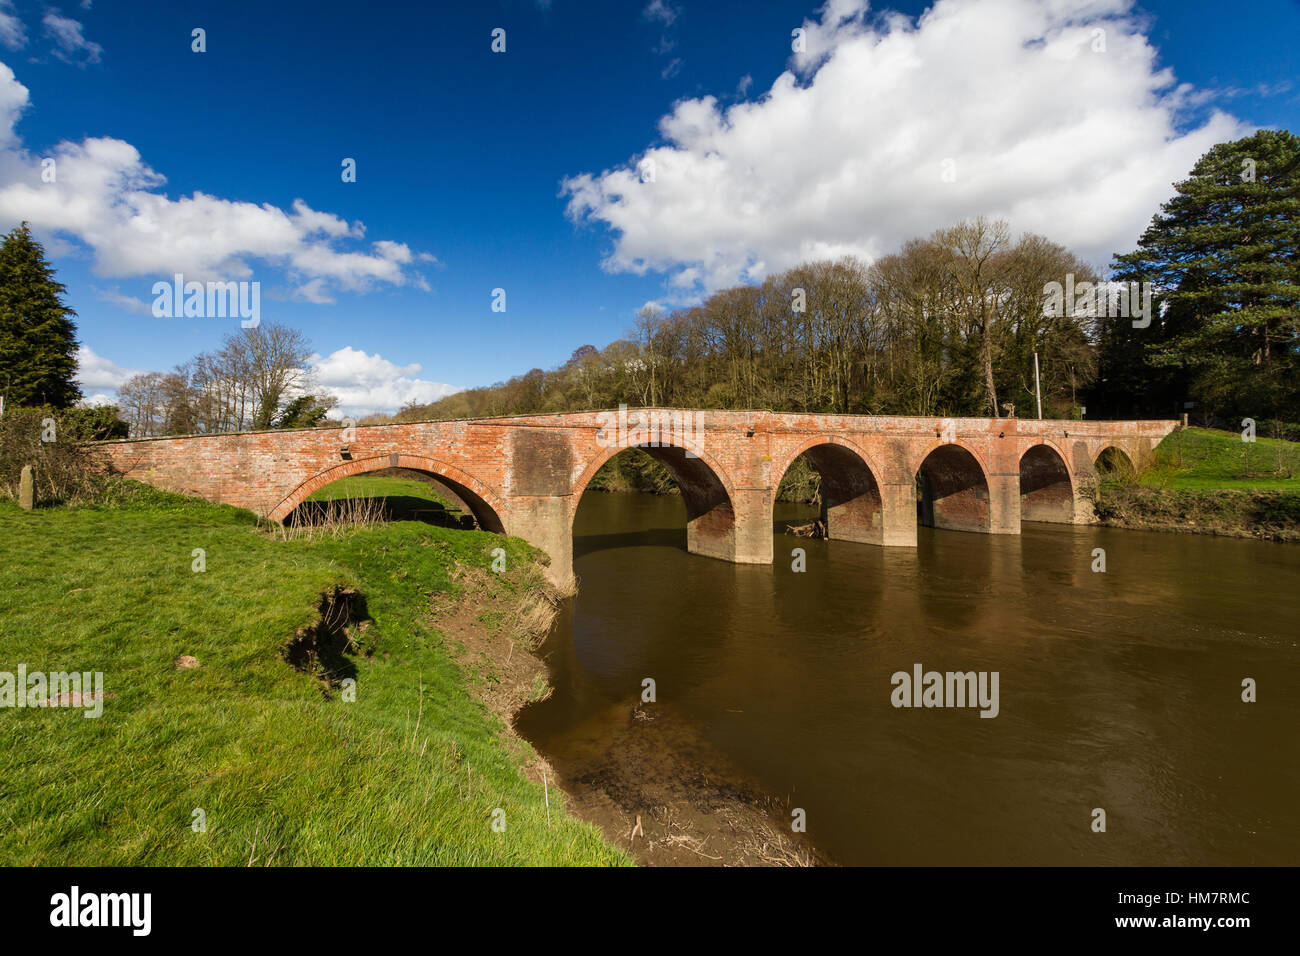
259, 378
948, 325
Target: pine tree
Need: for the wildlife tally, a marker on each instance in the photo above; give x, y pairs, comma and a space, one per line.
1224, 255
38, 339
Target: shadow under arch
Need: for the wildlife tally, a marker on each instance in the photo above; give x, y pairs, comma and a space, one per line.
480, 500
1046, 492
852, 506
705, 490
952, 491
1113, 462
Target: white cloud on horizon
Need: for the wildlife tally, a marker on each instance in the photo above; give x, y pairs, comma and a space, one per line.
845, 154
99, 373
366, 384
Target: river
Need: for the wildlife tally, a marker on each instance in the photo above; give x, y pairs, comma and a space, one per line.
1118, 690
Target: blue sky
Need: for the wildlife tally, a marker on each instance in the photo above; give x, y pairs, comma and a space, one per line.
517, 170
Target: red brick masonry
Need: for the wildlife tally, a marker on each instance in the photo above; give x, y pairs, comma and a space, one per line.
524, 476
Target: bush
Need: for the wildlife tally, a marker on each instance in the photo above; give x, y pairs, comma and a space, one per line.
66, 469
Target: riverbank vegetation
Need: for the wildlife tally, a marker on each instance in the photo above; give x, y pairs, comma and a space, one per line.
190, 611
1210, 482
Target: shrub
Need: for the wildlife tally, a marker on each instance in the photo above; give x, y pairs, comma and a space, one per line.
66, 469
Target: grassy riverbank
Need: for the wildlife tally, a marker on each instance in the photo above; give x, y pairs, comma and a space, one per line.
1211, 482
285, 770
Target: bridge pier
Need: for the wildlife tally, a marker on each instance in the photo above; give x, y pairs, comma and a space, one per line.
898, 514
1004, 504
546, 522
753, 538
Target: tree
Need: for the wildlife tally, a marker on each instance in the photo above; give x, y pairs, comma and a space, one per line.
978, 268
274, 359
1224, 258
305, 411
38, 340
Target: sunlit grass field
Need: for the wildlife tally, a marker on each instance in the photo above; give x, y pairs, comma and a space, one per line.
283, 772
1200, 459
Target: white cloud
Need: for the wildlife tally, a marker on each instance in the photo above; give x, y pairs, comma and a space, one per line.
366, 383
108, 199
313, 291
845, 153
12, 33
71, 45
96, 372
126, 302
661, 11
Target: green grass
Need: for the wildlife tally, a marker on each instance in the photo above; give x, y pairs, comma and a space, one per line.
379, 486
1200, 459
283, 774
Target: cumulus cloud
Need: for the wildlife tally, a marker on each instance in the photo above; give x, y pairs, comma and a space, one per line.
366, 384
108, 199
70, 44
96, 372
1050, 113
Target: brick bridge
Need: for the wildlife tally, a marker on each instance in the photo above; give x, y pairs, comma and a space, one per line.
525, 475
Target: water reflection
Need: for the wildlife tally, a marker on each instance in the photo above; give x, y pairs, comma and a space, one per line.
1119, 690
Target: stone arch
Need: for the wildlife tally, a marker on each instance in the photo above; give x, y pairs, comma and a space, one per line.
483, 501
953, 490
1046, 489
706, 490
852, 503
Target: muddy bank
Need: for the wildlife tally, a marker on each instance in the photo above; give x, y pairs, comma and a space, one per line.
1266, 515
664, 795
692, 806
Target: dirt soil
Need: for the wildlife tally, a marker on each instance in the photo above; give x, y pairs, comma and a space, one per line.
661, 794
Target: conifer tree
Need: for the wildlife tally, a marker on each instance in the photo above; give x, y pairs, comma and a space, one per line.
38, 339
1224, 257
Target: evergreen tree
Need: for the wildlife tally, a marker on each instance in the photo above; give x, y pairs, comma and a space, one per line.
38, 340
305, 411
1224, 257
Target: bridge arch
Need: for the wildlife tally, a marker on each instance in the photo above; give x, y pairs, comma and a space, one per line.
484, 502
952, 489
852, 503
1113, 460
1046, 488
707, 492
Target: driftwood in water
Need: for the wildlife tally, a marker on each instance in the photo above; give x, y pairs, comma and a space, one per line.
813, 529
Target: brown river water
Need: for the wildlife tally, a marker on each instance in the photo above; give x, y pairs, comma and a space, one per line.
1119, 691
